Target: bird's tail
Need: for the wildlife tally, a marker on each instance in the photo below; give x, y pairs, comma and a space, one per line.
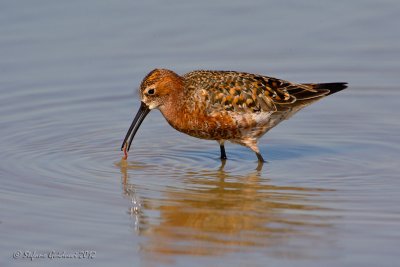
332, 87
315, 92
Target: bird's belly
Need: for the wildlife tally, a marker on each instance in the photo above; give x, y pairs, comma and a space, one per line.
226, 126
215, 127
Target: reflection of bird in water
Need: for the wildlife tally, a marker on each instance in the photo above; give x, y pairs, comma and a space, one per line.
215, 212
224, 105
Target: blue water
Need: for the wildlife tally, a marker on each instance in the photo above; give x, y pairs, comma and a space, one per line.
69, 71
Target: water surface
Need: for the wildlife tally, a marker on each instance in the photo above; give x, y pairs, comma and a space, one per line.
328, 195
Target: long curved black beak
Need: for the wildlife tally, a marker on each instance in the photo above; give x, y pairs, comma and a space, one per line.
137, 121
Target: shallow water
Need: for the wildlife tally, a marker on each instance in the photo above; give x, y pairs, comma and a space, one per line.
328, 195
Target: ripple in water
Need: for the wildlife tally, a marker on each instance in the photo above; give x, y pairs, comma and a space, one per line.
181, 200
206, 212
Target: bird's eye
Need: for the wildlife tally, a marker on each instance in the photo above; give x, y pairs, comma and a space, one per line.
150, 92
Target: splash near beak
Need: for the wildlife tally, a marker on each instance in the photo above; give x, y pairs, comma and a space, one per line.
137, 121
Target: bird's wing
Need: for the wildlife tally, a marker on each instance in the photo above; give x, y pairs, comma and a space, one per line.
244, 92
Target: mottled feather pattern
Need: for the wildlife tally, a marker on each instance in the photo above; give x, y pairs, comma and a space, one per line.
246, 93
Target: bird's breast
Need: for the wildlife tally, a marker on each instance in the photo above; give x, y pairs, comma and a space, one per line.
201, 125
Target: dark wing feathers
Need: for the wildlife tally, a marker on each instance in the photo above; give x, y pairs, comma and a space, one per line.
332, 87
244, 92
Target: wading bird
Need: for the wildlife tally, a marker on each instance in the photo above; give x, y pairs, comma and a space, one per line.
224, 105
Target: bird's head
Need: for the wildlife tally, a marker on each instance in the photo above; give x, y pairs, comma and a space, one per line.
155, 90
158, 86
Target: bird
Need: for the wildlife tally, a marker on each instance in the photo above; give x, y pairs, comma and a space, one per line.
224, 106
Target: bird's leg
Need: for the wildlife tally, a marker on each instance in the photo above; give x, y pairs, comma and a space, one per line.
260, 157
252, 144
223, 154
222, 147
